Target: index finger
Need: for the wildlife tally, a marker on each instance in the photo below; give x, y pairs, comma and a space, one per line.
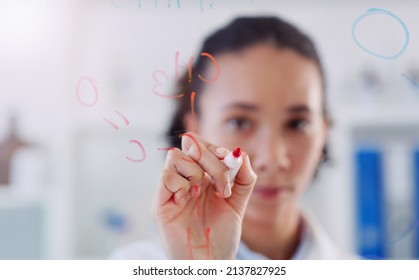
219, 152
208, 156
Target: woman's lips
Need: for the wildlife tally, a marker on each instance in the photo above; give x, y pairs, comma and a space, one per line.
269, 191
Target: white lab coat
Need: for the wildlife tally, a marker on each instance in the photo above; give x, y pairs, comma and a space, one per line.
315, 245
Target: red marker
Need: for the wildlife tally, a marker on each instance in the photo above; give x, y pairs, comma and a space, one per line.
233, 160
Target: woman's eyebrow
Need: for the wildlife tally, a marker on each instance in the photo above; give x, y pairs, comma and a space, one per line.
255, 108
299, 109
243, 106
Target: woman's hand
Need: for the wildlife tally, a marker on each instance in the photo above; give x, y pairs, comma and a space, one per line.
198, 211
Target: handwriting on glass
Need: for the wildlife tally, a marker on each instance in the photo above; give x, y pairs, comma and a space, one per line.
378, 11
168, 4
159, 74
199, 215
93, 84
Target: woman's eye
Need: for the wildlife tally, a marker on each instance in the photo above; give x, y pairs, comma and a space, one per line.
298, 124
239, 123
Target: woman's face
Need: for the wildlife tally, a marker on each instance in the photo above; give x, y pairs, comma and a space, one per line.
267, 101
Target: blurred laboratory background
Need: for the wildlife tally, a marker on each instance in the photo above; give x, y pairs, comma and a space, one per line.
81, 131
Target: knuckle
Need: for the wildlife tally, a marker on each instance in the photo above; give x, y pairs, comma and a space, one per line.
197, 175
174, 156
212, 148
201, 173
173, 153
224, 170
221, 174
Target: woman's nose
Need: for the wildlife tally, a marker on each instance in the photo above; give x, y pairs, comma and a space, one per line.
271, 154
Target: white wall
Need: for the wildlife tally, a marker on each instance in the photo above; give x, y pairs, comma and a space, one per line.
49, 46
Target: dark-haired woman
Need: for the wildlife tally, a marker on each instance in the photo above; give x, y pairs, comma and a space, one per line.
270, 101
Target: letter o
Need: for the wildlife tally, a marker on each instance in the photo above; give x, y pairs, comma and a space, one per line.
375, 11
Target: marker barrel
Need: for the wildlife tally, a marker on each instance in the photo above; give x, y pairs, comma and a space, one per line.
233, 163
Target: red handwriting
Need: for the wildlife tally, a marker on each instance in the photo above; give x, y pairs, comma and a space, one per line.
199, 213
217, 67
193, 103
195, 193
93, 83
206, 246
138, 143
189, 67
160, 73
114, 125
160, 83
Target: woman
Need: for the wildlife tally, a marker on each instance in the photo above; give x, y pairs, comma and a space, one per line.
269, 100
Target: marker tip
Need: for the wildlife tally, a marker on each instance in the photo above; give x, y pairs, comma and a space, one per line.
237, 152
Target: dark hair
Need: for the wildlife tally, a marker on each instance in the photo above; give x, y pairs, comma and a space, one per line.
241, 33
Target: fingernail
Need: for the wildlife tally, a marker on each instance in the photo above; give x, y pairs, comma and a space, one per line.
192, 151
227, 190
221, 151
